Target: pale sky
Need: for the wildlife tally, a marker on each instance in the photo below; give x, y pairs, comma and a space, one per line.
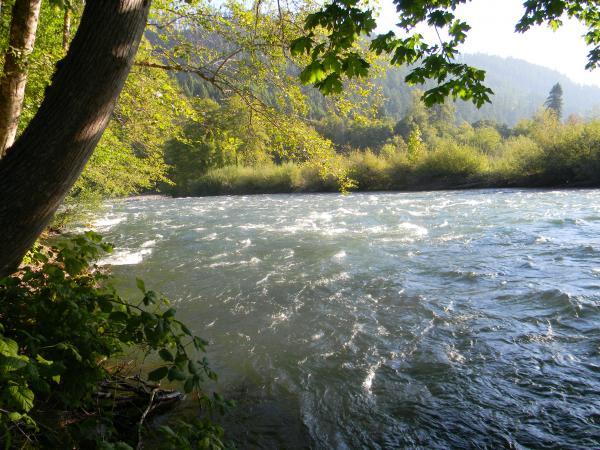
493, 23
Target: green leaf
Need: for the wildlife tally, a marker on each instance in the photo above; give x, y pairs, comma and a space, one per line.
150, 298
43, 361
185, 329
301, 45
21, 396
166, 355
330, 85
193, 367
332, 62
11, 363
176, 374
140, 285
8, 347
15, 416
355, 66
168, 431
105, 305
118, 316
313, 73
158, 374
189, 385
200, 344
169, 313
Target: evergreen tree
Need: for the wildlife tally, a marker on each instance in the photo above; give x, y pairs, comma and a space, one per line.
554, 102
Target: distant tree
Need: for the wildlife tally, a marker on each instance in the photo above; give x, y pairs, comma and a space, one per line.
416, 147
554, 102
417, 116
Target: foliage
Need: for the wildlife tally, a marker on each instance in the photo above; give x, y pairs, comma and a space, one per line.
519, 90
129, 158
361, 134
540, 152
522, 157
197, 435
331, 34
60, 323
266, 178
415, 147
253, 111
485, 138
368, 170
452, 163
216, 85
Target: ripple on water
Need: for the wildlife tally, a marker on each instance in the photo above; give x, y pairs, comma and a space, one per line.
388, 320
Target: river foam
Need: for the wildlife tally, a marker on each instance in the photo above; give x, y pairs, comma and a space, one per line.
388, 320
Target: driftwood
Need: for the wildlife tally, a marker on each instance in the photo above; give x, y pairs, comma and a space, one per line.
134, 400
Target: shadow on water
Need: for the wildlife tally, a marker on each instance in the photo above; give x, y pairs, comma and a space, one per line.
258, 420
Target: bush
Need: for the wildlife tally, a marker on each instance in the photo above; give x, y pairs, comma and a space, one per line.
264, 179
539, 152
451, 163
308, 178
486, 139
399, 171
60, 323
368, 171
574, 154
520, 157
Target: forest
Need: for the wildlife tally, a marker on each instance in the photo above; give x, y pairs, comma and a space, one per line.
194, 119
228, 98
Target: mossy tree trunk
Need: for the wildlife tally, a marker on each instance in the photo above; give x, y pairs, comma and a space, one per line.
41, 167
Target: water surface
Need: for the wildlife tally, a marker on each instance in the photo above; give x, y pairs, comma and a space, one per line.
440, 319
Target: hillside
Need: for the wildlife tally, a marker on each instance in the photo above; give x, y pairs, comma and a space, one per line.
520, 89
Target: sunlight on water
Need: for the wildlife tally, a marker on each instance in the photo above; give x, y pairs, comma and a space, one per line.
440, 319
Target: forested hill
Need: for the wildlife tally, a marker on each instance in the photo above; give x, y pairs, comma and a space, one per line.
520, 89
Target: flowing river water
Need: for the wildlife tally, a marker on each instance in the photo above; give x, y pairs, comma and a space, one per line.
385, 320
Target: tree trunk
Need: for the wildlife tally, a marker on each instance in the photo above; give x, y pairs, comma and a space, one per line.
66, 29
44, 163
23, 26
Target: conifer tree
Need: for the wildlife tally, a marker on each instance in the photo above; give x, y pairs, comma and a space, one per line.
554, 102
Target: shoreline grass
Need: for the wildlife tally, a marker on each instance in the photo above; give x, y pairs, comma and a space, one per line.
550, 154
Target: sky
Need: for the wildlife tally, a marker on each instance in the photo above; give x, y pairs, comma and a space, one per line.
492, 32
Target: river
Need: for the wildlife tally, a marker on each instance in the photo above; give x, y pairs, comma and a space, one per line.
385, 320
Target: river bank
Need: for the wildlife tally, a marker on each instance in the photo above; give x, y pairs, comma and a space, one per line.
370, 173
540, 153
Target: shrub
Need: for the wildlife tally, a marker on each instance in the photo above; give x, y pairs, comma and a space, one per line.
263, 179
368, 170
60, 322
574, 154
399, 171
308, 178
486, 139
519, 157
451, 162
540, 152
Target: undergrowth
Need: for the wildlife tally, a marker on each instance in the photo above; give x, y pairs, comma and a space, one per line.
61, 325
